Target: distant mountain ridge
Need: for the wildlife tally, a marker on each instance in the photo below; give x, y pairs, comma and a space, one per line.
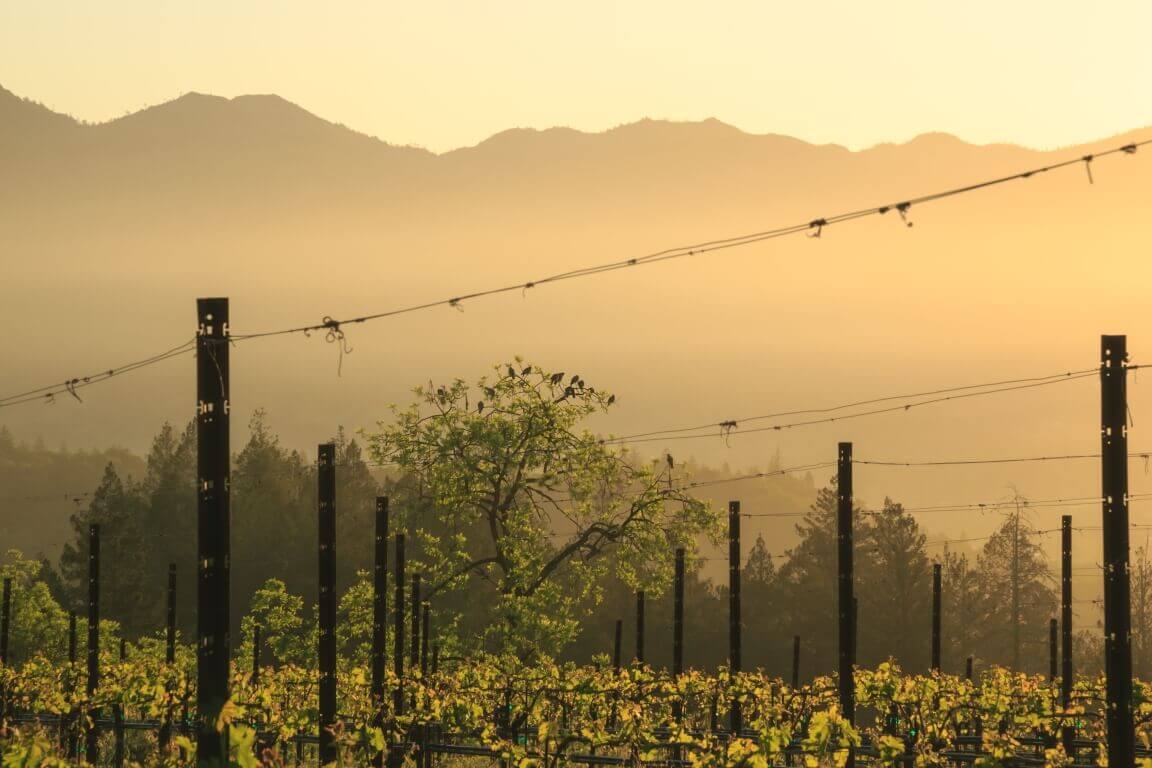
200, 150
109, 231
275, 114
264, 150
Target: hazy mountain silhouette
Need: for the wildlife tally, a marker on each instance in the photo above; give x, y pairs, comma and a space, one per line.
109, 232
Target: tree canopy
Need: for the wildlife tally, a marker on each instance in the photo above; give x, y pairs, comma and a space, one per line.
522, 499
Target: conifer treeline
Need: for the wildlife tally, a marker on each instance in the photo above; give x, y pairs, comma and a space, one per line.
150, 521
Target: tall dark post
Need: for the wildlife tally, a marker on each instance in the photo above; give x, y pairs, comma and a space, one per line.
796, 661
1052, 655
736, 719
68, 736
1016, 589
968, 669
164, 737
936, 617
678, 615
422, 755
91, 745
5, 621
379, 601
415, 596
118, 717
678, 627
420, 614
398, 629
396, 755
616, 643
640, 627
846, 602
213, 457
1066, 624
326, 578
379, 617
1117, 607
425, 629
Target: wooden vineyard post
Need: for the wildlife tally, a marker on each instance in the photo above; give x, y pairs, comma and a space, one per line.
91, 744
256, 643
5, 620
414, 662
5, 625
164, 737
678, 641
795, 662
396, 755
261, 744
678, 629
379, 616
978, 721
414, 657
67, 733
213, 460
640, 627
425, 637
1069, 733
846, 602
616, 649
617, 640
118, 719
735, 664
1117, 597
425, 631
936, 578
326, 579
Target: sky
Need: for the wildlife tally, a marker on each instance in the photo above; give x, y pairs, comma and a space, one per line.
447, 74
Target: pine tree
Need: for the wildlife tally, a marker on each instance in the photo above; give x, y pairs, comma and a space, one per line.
1018, 591
274, 529
808, 585
897, 600
763, 630
119, 508
171, 520
356, 492
964, 611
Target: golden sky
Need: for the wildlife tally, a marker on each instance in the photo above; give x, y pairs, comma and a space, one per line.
448, 74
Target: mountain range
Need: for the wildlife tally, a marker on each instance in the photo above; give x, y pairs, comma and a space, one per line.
108, 232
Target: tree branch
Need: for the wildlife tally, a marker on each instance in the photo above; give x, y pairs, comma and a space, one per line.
458, 573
